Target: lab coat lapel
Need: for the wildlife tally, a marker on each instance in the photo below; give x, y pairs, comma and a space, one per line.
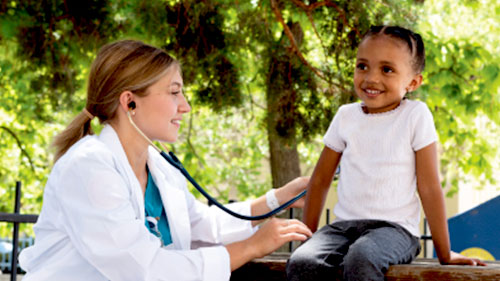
174, 200
109, 137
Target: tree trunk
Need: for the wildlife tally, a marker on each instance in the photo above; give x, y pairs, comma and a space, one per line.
283, 149
284, 156
281, 129
281, 112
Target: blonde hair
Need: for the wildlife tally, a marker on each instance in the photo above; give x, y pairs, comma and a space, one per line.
126, 65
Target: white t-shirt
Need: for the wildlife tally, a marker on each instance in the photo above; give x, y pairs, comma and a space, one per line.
377, 175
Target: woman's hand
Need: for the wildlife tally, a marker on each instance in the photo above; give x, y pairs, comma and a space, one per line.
276, 232
291, 189
270, 236
456, 258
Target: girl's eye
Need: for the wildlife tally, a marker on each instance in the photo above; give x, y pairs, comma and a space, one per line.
387, 69
361, 66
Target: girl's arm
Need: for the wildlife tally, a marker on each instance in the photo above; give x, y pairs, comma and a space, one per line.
283, 194
318, 186
432, 199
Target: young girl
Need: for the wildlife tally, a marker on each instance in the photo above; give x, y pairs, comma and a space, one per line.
388, 149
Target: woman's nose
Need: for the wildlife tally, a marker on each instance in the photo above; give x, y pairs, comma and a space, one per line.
184, 106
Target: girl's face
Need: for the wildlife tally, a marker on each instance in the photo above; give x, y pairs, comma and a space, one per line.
384, 73
159, 113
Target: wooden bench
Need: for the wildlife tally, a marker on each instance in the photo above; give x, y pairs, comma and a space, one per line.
272, 268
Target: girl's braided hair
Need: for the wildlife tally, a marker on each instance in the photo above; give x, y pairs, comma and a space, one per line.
412, 39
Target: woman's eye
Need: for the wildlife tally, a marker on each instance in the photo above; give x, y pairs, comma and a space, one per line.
387, 69
361, 66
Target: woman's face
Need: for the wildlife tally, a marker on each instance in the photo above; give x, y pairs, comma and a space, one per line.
159, 113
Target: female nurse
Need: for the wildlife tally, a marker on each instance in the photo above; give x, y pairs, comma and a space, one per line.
113, 209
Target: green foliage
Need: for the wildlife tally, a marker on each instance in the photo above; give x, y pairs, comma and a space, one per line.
200, 42
48, 40
43, 63
462, 90
227, 49
308, 91
227, 153
462, 87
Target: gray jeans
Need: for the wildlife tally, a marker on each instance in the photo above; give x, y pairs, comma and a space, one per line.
361, 249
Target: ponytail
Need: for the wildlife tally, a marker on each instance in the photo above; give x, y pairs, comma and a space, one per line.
76, 130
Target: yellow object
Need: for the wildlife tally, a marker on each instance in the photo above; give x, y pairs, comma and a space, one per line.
478, 253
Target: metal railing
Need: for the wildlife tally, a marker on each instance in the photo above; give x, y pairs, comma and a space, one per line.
6, 251
16, 218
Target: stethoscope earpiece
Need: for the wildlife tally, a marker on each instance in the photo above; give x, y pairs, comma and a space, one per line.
131, 105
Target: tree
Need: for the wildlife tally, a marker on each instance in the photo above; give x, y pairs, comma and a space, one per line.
45, 48
273, 71
302, 94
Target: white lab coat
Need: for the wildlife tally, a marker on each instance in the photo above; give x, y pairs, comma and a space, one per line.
91, 226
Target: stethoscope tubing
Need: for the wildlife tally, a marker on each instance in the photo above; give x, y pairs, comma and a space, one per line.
174, 161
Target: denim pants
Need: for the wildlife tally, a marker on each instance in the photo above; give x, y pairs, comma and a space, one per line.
361, 249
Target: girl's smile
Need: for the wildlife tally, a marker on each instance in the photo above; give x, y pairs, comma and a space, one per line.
371, 93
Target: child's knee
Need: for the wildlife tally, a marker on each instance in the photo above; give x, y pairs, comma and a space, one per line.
296, 266
360, 256
301, 261
362, 264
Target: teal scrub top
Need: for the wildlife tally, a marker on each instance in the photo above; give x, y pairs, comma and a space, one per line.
156, 218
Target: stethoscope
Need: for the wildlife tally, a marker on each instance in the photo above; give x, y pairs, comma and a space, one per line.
174, 161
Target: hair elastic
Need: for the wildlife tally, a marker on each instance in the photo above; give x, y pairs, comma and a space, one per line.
89, 115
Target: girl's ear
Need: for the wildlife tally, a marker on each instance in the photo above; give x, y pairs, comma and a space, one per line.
415, 83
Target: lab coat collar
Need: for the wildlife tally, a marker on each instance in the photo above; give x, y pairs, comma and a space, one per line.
172, 190
166, 179
110, 138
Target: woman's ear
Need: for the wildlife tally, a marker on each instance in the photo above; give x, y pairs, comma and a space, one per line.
126, 98
415, 83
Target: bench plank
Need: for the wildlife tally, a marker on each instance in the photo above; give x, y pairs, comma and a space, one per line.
272, 268
430, 269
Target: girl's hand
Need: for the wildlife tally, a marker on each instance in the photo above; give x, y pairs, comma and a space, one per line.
456, 258
291, 189
276, 232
